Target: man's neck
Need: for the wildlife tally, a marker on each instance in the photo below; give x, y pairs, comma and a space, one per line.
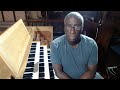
74, 44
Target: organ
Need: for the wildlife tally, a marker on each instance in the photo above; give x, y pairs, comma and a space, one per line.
23, 58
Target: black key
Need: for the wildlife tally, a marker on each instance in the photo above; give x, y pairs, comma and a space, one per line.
30, 64
31, 55
30, 59
41, 48
49, 60
41, 69
51, 73
33, 43
32, 49
48, 51
50, 68
48, 54
41, 64
41, 60
41, 78
28, 75
33, 46
29, 70
41, 57
41, 74
41, 53
52, 78
48, 57
50, 64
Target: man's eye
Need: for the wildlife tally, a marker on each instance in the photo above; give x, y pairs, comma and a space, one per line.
68, 26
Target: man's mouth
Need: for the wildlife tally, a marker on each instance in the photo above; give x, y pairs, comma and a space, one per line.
72, 38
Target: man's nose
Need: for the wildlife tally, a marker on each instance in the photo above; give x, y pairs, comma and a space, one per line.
72, 30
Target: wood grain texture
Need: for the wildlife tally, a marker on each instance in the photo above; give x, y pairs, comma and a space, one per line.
15, 43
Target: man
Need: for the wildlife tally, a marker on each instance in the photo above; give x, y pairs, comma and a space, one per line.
74, 55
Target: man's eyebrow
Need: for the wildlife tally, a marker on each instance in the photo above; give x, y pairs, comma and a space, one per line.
77, 24
73, 24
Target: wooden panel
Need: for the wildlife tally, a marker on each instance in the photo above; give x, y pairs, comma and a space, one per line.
1, 19
1, 32
45, 33
5, 71
15, 43
20, 15
34, 14
8, 15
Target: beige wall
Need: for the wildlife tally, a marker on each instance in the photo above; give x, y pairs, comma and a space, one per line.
20, 15
1, 19
9, 16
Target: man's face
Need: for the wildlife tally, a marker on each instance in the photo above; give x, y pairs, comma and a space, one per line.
72, 27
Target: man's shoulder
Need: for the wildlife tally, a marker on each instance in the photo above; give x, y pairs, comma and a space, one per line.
88, 39
59, 40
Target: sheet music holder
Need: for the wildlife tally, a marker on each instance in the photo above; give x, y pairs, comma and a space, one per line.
15, 45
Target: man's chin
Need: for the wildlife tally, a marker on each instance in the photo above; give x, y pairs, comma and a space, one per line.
72, 40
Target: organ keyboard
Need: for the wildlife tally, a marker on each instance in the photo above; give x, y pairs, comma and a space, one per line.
39, 64
51, 70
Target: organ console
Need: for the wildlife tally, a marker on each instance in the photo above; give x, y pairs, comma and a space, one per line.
23, 58
39, 64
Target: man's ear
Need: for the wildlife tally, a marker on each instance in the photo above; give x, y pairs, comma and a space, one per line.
82, 28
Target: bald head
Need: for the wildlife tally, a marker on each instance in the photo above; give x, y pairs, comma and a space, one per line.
76, 15
73, 26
